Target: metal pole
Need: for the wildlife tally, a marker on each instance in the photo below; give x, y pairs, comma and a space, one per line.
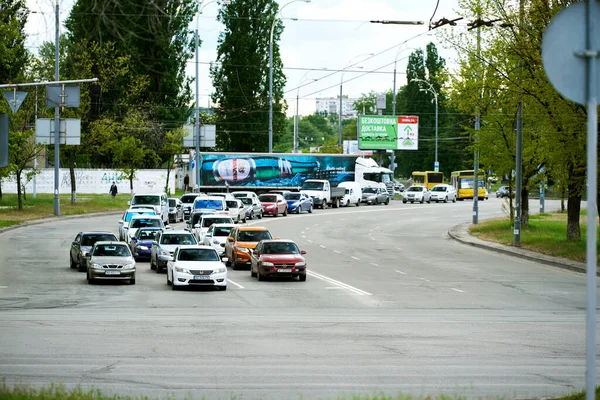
35, 159
436, 165
56, 119
340, 121
592, 226
296, 122
519, 153
394, 92
542, 195
197, 127
476, 162
271, 87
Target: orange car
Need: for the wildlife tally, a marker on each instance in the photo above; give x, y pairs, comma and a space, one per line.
241, 241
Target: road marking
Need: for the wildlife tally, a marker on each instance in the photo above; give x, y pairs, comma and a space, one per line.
356, 258
304, 237
236, 284
398, 248
339, 252
376, 265
400, 272
423, 279
339, 284
334, 287
309, 241
316, 225
3, 287
327, 222
372, 238
458, 290
321, 246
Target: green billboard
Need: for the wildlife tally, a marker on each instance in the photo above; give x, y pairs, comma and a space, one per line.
383, 132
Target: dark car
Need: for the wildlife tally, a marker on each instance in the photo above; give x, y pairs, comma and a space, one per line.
195, 217
298, 202
277, 258
141, 243
82, 245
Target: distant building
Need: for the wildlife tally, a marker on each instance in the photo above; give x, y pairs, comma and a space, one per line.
331, 105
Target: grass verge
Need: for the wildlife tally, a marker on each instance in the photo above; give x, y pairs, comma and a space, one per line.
545, 234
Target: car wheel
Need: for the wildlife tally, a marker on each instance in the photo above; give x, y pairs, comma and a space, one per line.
454, 200
310, 210
376, 202
446, 199
90, 280
428, 201
81, 268
259, 275
285, 212
173, 285
302, 278
73, 265
252, 273
323, 205
276, 214
387, 201
422, 200
299, 210
152, 265
260, 215
358, 203
404, 201
158, 269
132, 281
168, 281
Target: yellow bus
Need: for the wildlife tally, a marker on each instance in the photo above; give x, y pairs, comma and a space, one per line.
427, 178
463, 182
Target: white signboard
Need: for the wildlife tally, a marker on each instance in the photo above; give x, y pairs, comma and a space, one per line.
408, 133
96, 181
208, 135
381, 101
69, 134
351, 147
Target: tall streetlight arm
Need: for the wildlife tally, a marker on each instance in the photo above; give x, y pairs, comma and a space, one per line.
435, 98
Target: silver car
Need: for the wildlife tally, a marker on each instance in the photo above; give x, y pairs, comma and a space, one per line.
165, 244
110, 261
254, 208
417, 193
175, 210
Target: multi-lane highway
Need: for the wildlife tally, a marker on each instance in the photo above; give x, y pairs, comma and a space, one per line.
391, 305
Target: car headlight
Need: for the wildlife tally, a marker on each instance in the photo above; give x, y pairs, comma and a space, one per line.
219, 270
267, 264
301, 264
142, 247
164, 253
128, 266
182, 270
242, 250
94, 265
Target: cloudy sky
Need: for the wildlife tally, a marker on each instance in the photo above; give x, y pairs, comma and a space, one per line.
319, 37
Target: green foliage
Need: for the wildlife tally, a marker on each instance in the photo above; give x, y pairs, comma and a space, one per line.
241, 76
13, 54
366, 104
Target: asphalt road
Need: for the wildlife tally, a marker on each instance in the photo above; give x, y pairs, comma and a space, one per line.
391, 305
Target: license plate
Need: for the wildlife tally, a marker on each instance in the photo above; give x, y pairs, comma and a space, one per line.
201, 277
112, 272
284, 270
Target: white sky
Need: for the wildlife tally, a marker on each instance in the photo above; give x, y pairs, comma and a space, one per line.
327, 35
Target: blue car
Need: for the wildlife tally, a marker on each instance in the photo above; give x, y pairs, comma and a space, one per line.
141, 243
298, 202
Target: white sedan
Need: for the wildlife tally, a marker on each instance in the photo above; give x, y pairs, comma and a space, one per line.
417, 193
194, 265
443, 193
216, 236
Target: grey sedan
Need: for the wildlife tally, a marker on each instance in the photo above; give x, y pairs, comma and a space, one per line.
372, 195
111, 261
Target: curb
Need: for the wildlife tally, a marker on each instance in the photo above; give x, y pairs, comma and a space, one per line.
461, 234
59, 218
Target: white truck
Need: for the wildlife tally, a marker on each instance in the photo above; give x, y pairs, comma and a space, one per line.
323, 193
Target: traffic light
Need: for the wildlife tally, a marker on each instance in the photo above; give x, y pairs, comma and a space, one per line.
3, 140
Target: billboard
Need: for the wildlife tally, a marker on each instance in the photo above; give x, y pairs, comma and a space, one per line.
273, 170
387, 132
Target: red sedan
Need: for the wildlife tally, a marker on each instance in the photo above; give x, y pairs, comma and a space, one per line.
273, 204
278, 258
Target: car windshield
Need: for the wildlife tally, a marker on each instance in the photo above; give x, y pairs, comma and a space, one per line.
268, 198
146, 234
206, 222
177, 238
246, 200
90, 240
280, 248
369, 190
142, 222
415, 189
187, 199
240, 195
198, 255
172, 203
231, 203
292, 196
221, 231
133, 213
206, 203
154, 200
112, 250
253, 236
312, 186
439, 189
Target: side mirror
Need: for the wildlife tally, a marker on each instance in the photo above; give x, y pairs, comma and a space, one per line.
134, 238
208, 235
224, 259
154, 243
302, 252
197, 226
75, 243
120, 221
230, 239
255, 252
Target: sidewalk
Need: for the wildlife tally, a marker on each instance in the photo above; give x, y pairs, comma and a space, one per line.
461, 234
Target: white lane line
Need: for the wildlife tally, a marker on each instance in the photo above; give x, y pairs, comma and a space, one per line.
304, 237
339, 284
372, 238
316, 225
327, 222
423, 279
356, 258
377, 228
236, 284
3, 287
400, 272
398, 248
376, 265
334, 288
321, 246
339, 252
458, 290
310, 241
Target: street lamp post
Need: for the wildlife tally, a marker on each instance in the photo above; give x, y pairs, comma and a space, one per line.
341, 82
271, 72
436, 165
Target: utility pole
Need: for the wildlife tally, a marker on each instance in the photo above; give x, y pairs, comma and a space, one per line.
56, 118
476, 155
519, 149
197, 124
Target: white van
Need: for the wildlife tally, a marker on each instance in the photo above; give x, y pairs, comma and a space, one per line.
353, 193
158, 202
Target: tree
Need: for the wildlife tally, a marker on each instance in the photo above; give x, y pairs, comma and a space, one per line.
366, 104
173, 146
241, 76
22, 151
13, 54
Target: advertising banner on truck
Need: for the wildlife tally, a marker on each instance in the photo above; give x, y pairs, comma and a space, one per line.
387, 132
273, 170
